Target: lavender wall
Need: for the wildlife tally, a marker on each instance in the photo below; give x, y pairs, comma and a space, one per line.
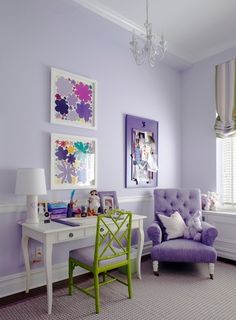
198, 119
36, 35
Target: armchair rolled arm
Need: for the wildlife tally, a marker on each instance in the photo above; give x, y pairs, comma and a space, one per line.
209, 233
154, 233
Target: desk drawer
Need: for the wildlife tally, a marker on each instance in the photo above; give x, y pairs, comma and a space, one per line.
70, 235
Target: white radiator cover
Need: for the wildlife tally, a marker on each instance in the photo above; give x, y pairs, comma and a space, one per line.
225, 223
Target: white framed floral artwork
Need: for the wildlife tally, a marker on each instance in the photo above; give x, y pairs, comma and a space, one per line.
73, 162
73, 99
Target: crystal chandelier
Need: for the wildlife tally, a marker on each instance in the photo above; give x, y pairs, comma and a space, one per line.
147, 46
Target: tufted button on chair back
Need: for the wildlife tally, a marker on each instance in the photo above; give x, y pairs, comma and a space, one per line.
186, 202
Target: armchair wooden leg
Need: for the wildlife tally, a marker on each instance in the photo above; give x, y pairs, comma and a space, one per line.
155, 268
211, 270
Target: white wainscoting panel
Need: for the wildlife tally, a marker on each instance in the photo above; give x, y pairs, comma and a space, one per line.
225, 223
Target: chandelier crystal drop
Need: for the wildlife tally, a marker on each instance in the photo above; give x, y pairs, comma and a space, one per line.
147, 46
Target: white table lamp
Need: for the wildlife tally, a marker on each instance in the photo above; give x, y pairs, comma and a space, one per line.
31, 182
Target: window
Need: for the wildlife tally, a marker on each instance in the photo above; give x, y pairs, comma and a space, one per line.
226, 170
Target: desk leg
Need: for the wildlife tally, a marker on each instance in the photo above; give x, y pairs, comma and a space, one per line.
48, 267
140, 248
25, 249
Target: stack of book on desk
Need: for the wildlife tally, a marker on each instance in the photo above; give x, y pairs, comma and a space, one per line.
57, 210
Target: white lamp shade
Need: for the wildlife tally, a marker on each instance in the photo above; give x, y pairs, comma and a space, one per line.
30, 181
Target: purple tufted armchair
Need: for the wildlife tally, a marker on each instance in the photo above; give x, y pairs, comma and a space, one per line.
186, 202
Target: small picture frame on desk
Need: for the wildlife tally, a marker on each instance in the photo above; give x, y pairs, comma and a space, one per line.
43, 212
108, 200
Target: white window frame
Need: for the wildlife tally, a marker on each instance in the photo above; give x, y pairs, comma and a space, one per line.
220, 174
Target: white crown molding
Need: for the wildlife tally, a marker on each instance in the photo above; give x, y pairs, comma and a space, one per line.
131, 26
111, 15
182, 60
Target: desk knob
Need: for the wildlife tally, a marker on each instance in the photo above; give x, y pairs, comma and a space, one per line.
71, 235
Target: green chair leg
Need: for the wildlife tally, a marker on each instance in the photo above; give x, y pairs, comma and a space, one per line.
97, 296
129, 280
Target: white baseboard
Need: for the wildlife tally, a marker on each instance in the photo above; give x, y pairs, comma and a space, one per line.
15, 283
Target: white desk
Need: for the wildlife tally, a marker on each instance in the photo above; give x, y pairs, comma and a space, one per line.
53, 232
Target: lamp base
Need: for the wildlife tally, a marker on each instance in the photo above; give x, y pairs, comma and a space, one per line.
32, 209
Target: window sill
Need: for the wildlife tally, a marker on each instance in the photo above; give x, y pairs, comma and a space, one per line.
220, 211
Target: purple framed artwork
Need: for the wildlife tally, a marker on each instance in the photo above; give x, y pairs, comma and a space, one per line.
73, 99
73, 162
141, 152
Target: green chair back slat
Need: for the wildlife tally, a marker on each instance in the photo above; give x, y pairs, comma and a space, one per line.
107, 236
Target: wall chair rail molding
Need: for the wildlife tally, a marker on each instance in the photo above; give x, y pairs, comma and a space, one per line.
20, 208
129, 199
12, 208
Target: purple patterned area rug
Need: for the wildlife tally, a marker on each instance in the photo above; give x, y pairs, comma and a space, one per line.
181, 292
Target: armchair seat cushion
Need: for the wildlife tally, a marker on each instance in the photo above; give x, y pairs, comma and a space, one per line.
183, 250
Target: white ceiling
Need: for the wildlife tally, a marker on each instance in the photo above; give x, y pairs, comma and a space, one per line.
194, 29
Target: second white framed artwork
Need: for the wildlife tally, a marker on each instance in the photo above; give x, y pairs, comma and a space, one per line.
73, 162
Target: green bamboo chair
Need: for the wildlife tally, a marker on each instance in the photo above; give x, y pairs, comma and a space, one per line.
112, 250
